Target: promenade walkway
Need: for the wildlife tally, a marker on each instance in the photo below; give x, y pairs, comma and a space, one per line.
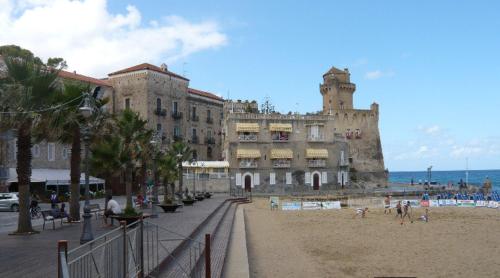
35, 255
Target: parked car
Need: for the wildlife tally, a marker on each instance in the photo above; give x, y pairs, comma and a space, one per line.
9, 201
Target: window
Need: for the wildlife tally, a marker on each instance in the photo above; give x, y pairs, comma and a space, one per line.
127, 103
177, 131
195, 154
65, 153
35, 151
193, 112
194, 132
51, 151
209, 114
158, 104
209, 153
341, 105
174, 106
288, 177
158, 127
272, 178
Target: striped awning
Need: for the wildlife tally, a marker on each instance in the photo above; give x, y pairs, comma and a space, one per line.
247, 153
316, 153
247, 127
280, 127
281, 154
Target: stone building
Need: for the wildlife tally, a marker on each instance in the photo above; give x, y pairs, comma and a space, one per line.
276, 153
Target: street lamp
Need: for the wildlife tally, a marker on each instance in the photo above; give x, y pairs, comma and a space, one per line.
86, 111
193, 163
155, 142
179, 166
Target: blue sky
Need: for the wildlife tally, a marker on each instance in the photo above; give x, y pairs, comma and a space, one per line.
433, 66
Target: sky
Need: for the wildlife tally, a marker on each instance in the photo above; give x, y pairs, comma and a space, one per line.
433, 66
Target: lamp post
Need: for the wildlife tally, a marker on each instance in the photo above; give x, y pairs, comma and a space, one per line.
179, 166
154, 142
193, 163
86, 112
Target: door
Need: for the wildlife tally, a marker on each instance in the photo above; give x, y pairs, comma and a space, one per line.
248, 183
316, 182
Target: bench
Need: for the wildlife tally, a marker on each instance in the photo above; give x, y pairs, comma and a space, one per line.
48, 216
96, 209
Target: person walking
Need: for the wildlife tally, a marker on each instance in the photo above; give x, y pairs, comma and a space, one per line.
387, 204
406, 209
399, 212
53, 199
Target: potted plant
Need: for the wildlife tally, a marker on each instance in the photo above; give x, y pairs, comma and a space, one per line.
208, 195
200, 197
188, 201
168, 205
129, 215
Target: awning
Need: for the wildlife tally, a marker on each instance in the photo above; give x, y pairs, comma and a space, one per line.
205, 164
52, 177
280, 127
246, 153
281, 154
316, 153
247, 127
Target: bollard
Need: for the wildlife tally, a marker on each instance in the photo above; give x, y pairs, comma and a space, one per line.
62, 245
208, 266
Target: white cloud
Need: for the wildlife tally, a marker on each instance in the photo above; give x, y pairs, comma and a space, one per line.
376, 74
95, 41
430, 130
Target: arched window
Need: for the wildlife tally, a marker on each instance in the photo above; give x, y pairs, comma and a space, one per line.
209, 153
158, 104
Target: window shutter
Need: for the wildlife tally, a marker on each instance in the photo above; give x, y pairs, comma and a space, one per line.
324, 177
238, 179
308, 178
256, 179
288, 178
272, 178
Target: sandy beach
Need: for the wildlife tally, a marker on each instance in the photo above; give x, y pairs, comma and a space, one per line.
456, 242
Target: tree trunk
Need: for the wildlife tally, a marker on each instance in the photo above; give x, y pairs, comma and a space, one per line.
172, 190
128, 186
74, 205
144, 171
24, 177
180, 176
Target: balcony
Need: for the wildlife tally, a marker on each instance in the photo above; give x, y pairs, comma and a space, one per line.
195, 139
247, 137
195, 118
176, 115
248, 164
281, 163
210, 120
280, 137
343, 163
160, 112
178, 137
210, 140
315, 138
316, 163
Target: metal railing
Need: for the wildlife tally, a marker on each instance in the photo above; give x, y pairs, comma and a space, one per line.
316, 138
316, 163
248, 164
247, 138
140, 249
281, 163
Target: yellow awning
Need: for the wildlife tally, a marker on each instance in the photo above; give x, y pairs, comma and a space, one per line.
281, 154
280, 127
316, 153
247, 127
246, 153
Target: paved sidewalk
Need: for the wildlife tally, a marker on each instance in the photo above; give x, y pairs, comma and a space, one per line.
236, 264
35, 255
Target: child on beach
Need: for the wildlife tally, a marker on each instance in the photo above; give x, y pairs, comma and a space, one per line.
360, 212
406, 209
387, 204
425, 217
399, 211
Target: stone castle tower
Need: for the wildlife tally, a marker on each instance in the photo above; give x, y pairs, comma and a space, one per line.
337, 90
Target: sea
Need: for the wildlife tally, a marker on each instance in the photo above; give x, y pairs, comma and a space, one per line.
476, 177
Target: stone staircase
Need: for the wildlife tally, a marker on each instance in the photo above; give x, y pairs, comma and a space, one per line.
188, 259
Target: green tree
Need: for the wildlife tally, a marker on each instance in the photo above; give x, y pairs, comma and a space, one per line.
28, 91
181, 152
167, 168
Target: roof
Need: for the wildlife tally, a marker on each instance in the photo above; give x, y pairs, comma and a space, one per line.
334, 70
204, 94
52, 176
83, 78
147, 66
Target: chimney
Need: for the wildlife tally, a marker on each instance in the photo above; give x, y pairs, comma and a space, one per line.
164, 67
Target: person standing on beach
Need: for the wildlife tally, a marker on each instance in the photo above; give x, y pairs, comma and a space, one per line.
406, 209
387, 204
399, 211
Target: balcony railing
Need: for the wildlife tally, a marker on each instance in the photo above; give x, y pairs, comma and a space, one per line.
210, 140
280, 137
161, 112
281, 163
316, 163
248, 164
195, 118
194, 139
248, 137
176, 115
178, 137
316, 138
343, 163
210, 120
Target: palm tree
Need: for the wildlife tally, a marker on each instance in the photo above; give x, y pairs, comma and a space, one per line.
120, 149
65, 125
167, 168
181, 152
28, 89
